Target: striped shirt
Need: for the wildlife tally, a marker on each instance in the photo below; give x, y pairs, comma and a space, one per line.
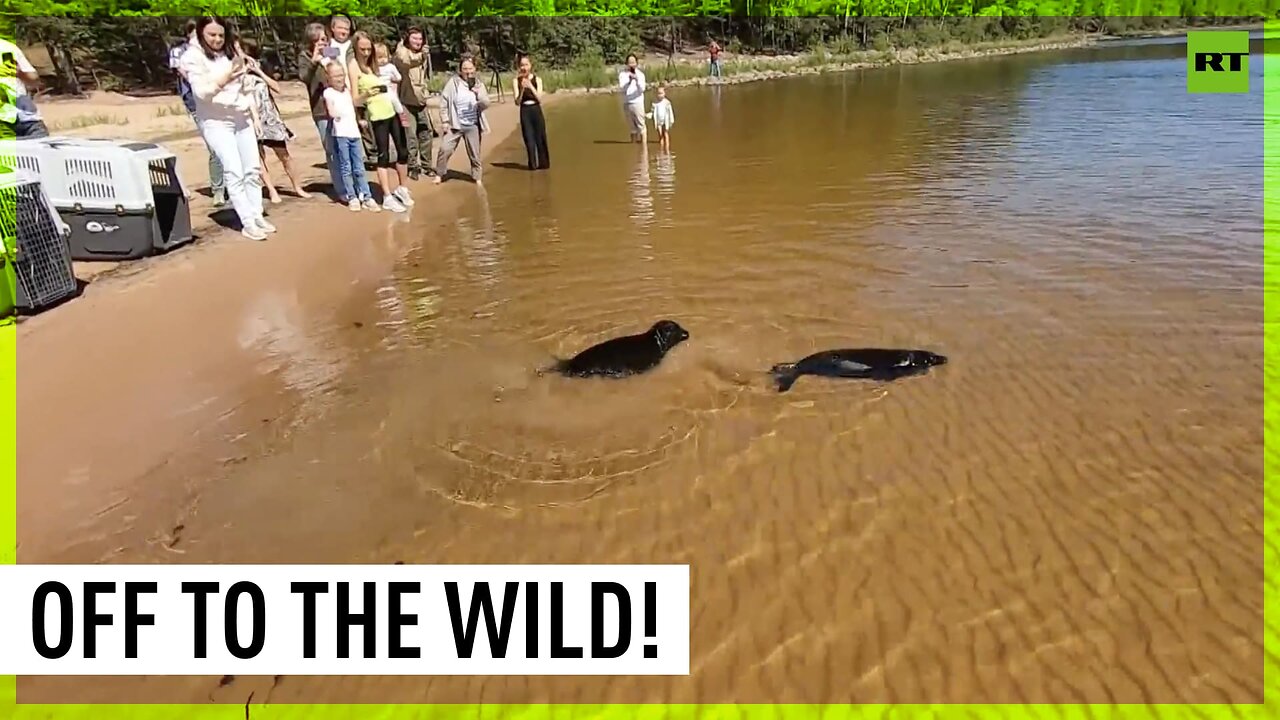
465, 101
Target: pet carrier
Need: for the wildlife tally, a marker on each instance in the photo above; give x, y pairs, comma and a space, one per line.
123, 200
37, 259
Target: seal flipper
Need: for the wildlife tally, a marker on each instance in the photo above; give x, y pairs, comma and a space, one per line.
784, 375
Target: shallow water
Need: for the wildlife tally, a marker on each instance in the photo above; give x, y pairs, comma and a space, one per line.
1069, 511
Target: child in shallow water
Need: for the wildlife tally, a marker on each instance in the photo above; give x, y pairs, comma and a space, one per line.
664, 116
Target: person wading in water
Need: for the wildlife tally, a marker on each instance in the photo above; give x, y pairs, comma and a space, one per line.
533, 125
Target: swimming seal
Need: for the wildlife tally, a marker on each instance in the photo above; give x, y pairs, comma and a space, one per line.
863, 363
624, 356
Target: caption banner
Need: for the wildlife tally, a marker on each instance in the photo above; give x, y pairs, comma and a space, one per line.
344, 620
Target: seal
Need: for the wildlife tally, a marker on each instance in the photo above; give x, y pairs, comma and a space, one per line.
863, 363
625, 356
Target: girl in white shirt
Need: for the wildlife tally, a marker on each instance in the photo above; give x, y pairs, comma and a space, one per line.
664, 116
346, 139
214, 69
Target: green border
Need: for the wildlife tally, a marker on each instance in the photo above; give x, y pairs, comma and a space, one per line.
828, 8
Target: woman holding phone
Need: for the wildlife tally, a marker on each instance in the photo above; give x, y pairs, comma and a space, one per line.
271, 130
214, 69
311, 70
533, 125
379, 119
632, 83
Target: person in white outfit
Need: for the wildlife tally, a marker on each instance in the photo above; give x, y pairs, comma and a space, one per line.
632, 83
214, 69
664, 116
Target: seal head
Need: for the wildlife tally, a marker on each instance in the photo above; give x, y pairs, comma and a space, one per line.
668, 334
924, 358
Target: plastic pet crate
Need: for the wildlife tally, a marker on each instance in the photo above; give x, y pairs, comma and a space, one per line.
123, 200
36, 248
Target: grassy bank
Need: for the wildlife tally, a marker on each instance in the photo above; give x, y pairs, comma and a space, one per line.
1141, 33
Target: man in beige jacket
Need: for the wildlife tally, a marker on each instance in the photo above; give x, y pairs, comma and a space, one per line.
411, 60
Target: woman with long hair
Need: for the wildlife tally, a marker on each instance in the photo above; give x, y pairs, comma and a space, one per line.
216, 71
312, 61
367, 86
533, 125
268, 125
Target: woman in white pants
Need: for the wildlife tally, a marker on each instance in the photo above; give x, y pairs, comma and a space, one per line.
214, 68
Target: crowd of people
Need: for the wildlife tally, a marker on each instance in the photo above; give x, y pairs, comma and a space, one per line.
369, 104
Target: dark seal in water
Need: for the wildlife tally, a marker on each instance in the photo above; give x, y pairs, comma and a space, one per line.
863, 363
624, 356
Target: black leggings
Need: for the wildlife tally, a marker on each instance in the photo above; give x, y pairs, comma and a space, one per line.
533, 126
384, 131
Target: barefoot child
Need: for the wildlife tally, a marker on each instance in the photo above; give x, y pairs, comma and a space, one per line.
346, 138
664, 116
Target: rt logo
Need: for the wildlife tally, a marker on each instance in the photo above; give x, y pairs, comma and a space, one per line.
1218, 62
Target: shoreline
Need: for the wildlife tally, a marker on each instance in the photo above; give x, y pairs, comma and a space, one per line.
807, 64
1181, 31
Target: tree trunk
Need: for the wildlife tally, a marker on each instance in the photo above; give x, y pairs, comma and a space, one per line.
64, 68
275, 41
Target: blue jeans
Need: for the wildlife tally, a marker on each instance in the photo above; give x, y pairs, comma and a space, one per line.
351, 169
715, 68
324, 126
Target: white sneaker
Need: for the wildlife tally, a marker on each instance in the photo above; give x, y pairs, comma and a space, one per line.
402, 194
371, 205
265, 226
253, 233
391, 204
353, 205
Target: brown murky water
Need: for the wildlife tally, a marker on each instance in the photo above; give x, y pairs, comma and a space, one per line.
1069, 511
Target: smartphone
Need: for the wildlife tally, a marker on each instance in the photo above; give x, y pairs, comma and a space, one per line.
330, 52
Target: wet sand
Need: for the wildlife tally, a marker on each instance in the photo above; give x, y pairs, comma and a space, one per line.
1069, 511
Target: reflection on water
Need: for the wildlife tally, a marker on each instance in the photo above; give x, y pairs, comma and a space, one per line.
666, 172
306, 364
641, 193
1068, 511
481, 241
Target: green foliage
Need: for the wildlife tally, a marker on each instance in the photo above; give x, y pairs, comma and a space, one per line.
124, 44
